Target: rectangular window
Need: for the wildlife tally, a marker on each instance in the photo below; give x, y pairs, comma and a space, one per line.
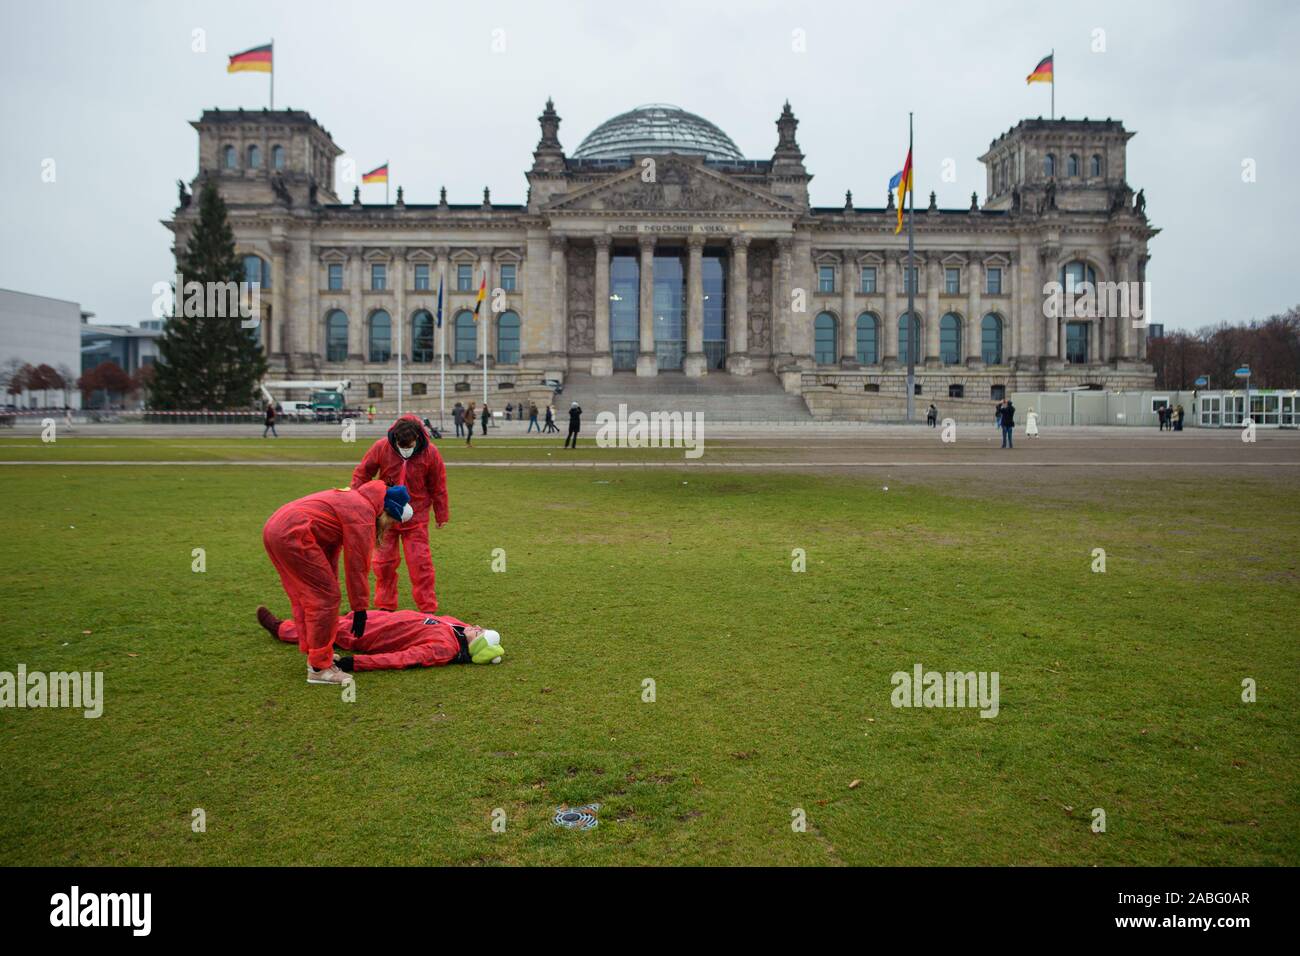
335, 276
508, 276
378, 276
826, 279
868, 280
421, 277
909, 280
997, 392
993, 280
1076, 343
464, 277
952, 281
956, 391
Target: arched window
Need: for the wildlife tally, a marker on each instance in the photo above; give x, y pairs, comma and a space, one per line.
422, 336
229, 158
508, 338
905, 340
254, 157
1072, 166
277, 157
466, 336
1075, 274
257, 269
1049, 165
1095, 170
991, 340
824, 328
868, 339
381, 336
950, 338
336, 337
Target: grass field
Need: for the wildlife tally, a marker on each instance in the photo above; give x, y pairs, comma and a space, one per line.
1119, 691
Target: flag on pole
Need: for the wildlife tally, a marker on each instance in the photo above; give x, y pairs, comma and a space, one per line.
377, 175
1043, 72
482, 294
902, 181
440, 302
256, 60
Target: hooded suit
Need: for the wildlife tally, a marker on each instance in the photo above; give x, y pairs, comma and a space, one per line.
303, 539
425, 477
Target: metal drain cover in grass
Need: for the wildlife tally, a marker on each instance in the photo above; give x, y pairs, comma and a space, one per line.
577, 818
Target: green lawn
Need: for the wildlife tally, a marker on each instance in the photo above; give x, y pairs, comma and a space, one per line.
1119, 690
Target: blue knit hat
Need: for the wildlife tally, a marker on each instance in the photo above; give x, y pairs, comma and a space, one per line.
397, 502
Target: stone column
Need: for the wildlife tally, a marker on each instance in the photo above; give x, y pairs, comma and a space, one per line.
738, 308
1124, 324
783, 342
285, 332
933, 279
602, 362
891, 273
356, 321
848, 306
646, 361
695, 364
401, 343
799, 267
974, 306
559, 298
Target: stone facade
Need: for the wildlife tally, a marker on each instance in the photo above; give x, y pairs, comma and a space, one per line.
813, 294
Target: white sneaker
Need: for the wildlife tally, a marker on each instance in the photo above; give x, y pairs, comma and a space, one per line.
330, 675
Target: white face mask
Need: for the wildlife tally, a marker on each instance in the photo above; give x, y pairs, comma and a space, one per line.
406, 452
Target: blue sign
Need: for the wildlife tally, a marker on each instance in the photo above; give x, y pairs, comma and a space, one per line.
1243, 372
1201, 382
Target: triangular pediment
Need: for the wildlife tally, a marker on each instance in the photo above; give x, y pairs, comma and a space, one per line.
675, 186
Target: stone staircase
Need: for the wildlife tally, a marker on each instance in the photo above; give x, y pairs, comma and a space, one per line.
719, 396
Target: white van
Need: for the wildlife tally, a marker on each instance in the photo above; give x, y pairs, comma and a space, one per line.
304, 411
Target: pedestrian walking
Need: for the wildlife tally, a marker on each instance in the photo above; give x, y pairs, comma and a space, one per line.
575, 425
1008, 424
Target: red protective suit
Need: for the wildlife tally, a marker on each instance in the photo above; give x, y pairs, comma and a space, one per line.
425, 477
303, 539
393, 640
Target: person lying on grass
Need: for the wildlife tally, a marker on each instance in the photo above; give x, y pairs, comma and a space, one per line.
303, 540
397, 639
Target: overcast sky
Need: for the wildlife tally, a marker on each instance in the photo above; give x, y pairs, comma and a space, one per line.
106, 90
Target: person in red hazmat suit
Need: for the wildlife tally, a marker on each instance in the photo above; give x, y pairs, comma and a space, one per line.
398, 639
406, 457
303, 540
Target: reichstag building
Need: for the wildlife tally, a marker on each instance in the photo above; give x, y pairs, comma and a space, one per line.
657, 249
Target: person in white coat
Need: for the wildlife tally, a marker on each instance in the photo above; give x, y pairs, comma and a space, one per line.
1031, 424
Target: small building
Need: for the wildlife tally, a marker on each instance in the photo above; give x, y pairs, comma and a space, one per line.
38, 330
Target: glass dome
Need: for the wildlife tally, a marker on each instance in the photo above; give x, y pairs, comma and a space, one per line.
657, 128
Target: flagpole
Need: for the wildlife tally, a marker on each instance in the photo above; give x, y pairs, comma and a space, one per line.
442, 360
272, 73
401, 320
908, 280
486, 313
388, 175
1053, 82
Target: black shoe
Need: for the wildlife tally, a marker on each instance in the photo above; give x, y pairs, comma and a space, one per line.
269, 621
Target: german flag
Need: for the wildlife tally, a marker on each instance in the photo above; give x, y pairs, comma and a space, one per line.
377, 175
482, 294
902, 181
256, 60
1043, 72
